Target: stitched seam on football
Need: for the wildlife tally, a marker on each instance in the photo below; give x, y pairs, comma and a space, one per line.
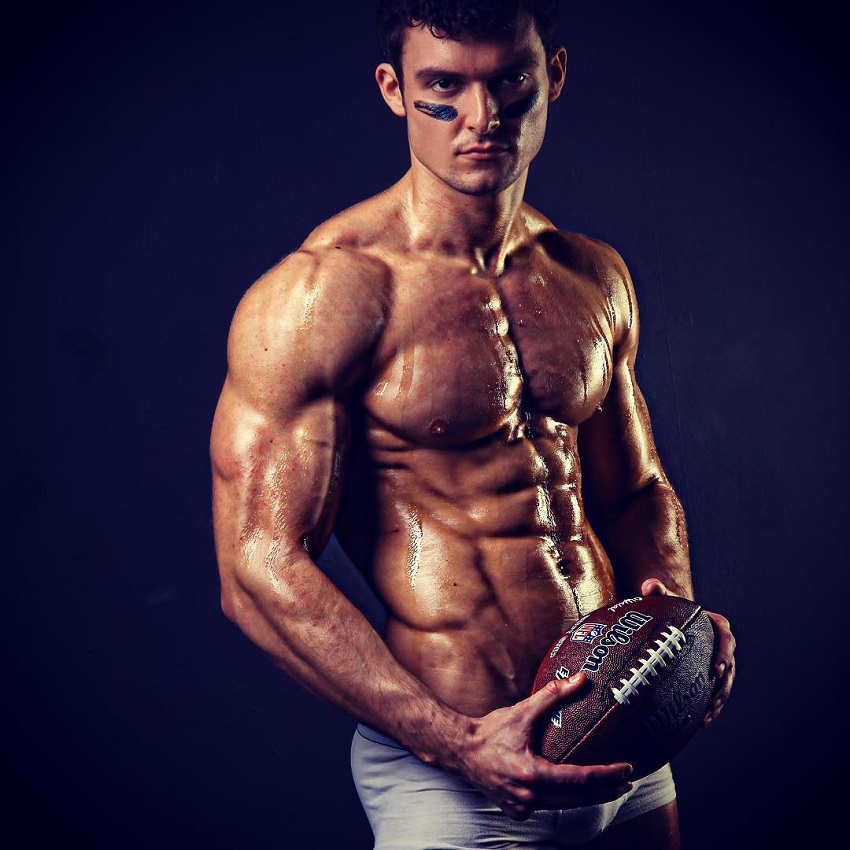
568, 752
694, 614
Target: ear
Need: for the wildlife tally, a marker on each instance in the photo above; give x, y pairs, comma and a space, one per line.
390, 88
557, 73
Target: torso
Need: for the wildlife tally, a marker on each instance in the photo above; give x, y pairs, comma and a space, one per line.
463, 500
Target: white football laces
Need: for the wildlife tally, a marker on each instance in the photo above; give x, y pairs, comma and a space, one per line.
667, 649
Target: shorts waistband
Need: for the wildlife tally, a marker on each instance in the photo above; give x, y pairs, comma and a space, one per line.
377, 737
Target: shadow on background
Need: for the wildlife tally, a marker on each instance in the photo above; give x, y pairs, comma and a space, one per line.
159, 160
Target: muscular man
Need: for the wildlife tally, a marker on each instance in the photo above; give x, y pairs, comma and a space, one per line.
447, 381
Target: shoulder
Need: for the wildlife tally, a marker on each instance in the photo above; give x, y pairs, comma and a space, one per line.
338, 261
320, 311
576, 250
598, 263
323, 309
320, 283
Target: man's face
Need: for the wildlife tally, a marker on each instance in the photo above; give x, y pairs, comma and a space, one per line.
476, 110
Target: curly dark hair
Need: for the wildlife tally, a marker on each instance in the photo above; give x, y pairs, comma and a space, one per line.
452, 18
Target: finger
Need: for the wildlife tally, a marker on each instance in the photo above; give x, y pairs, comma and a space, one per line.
612, 775
711, 716
567, 798
721, 694
516, 812
572, 785
726, 644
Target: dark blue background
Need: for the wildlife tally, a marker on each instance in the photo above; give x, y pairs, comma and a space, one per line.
157, 161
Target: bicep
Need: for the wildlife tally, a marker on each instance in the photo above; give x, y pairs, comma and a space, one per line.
280, 431
618, 454
617, 448
276, 479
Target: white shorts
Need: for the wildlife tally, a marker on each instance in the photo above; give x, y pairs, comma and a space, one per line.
413, 806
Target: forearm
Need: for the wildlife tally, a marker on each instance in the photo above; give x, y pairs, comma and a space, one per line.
647, 538
319, 638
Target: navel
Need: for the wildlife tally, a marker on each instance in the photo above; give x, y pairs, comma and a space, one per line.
438, 427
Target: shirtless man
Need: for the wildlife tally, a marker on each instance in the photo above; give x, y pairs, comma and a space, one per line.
447, 381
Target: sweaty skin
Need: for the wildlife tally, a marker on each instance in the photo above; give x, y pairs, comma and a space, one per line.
447, 381
480, 545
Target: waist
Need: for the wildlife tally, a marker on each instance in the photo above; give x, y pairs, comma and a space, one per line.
481, 651
473, 618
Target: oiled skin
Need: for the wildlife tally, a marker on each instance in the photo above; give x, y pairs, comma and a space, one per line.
443, 438
482, 551
447, 381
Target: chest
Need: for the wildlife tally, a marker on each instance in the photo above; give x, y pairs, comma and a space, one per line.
465, 356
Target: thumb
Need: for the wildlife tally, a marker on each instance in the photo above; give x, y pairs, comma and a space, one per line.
654, 587
553, 693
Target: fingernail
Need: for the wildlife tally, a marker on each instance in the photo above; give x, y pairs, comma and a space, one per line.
576, 677
721, 668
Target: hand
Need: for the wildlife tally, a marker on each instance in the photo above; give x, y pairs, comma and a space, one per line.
500, 762
724, 653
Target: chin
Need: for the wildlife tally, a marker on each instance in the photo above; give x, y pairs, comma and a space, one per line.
483, 191
483, 185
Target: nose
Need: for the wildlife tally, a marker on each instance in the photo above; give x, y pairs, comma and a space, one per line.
484, 111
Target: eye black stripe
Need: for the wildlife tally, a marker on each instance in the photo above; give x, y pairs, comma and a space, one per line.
441, 112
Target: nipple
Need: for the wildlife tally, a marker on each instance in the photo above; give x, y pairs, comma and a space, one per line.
438, 427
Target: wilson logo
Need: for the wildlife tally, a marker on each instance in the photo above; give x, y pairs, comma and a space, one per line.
680, 704
620, 633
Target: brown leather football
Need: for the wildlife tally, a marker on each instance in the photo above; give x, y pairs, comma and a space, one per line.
649, 683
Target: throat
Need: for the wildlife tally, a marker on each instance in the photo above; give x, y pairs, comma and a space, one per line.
489, 261
484, 229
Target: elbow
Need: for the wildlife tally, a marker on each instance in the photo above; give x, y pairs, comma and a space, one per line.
245, 600
229, 605
234, 603
624, 501
655, 487
654, 505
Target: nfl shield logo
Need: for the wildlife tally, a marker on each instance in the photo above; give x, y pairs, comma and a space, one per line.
587, 632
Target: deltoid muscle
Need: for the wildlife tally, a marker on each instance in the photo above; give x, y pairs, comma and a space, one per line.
669, 648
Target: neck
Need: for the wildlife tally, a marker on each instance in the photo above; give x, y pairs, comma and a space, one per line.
480, 228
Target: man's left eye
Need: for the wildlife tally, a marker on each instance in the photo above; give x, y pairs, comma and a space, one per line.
514, 79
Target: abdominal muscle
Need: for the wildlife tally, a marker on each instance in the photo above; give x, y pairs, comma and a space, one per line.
483, 559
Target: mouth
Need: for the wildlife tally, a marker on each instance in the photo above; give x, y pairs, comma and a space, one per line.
484, 152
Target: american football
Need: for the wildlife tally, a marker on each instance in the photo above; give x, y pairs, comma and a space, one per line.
649, 683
